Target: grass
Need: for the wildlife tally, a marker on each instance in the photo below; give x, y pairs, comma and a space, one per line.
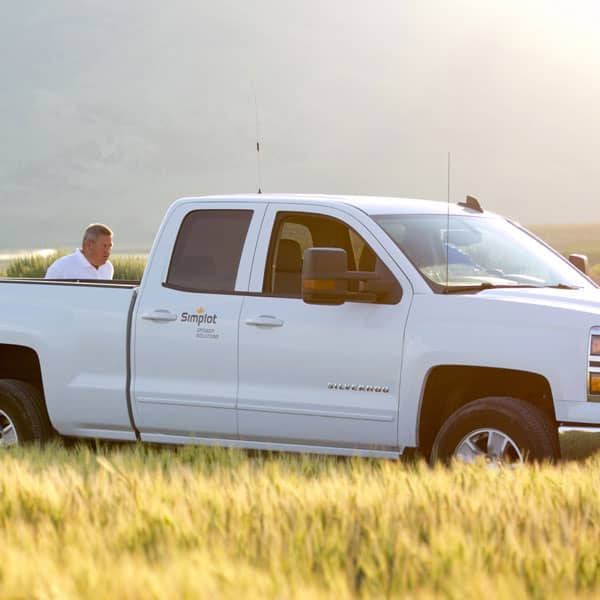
144, 522
567, 239
30, 266
574, 239
141, 522
126, 267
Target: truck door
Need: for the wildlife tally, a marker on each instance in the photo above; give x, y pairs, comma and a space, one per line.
186, 322
316, 374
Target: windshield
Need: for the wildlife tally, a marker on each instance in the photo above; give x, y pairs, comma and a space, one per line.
477, 252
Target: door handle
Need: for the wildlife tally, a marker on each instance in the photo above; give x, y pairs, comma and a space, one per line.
160, 314
265, 321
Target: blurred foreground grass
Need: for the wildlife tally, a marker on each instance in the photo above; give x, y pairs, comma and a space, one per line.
143, 522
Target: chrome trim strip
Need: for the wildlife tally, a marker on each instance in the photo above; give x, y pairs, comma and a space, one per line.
262, 408
229, 405
579, 429
315, 413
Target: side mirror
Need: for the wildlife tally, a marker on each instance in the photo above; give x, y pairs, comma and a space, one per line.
325, 279
324, 274
580, 261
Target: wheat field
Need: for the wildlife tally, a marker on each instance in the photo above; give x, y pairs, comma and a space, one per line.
566, 239
132, 521
127, 267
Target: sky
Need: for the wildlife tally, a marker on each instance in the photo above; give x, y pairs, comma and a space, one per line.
111, 110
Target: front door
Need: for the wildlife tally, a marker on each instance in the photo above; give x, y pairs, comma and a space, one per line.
316, 374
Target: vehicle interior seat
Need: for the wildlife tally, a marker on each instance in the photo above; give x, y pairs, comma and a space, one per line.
367, 260
288, 268
194, 272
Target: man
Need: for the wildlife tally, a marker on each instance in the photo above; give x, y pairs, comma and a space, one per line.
88, 262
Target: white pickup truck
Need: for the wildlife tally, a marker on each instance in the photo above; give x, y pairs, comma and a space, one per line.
342, 325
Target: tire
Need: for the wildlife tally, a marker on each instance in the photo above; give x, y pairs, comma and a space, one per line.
23, 415
499, 430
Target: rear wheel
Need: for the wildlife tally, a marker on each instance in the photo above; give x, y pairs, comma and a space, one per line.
499, 430
8, 431
23, 416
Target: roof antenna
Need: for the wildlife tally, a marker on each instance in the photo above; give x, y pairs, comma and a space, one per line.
448, 224
257, 144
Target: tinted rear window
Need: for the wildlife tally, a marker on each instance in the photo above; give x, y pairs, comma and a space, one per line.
207, 252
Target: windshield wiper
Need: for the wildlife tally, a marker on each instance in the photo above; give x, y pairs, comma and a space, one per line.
563, 286
480, 287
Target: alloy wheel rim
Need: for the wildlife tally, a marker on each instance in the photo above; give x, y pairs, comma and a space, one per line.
8, 432
493, 446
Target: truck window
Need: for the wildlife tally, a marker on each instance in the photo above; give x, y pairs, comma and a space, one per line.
294, 233
207, 251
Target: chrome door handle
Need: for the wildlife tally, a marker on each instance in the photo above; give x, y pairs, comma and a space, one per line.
160, 314
265, 321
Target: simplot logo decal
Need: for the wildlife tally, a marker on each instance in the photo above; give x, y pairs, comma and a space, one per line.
200, 318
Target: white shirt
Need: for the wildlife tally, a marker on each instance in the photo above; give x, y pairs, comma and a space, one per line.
77, 266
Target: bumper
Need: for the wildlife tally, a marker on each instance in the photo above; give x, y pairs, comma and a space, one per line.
578, 441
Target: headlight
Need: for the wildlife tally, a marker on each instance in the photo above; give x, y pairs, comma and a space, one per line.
595, 345
594, 366
595, 384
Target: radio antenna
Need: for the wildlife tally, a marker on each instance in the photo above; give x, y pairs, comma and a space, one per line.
448, 225
257, 145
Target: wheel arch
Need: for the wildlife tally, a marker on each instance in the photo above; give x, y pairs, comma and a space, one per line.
20, 362
449, 387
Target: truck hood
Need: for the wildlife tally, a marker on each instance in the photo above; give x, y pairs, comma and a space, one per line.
583, 300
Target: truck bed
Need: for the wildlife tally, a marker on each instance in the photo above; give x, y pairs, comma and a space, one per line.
127, 283
80, 331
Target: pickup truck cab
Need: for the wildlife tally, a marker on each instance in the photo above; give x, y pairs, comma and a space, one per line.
342, 325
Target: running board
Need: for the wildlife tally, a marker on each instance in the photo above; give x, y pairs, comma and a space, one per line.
160, 438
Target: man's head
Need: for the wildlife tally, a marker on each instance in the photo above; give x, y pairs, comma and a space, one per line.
97, 243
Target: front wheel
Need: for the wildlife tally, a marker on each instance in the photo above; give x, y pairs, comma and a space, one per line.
499, 430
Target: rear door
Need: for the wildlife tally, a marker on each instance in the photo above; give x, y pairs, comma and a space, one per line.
186, 322
315, 374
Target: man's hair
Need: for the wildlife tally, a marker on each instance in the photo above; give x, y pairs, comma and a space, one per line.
94, 230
